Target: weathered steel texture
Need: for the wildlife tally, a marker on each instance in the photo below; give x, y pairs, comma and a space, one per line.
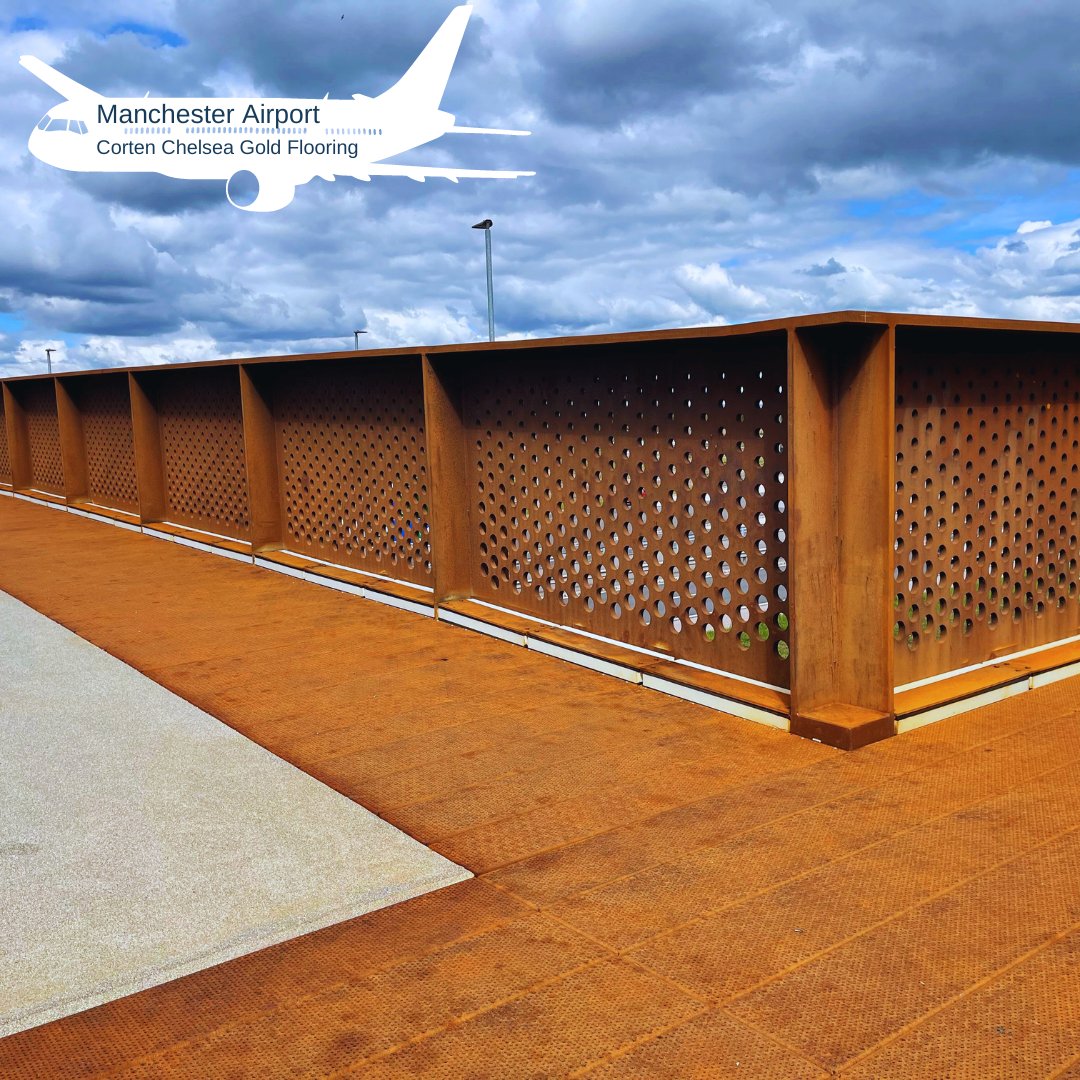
640, 495
5, 456
451, 515
987, 497
105, 409
18, 441
260, 455
841, 454
352, 462
909, 913
202, 440
72, 443
149, 460
38, 401
637, 487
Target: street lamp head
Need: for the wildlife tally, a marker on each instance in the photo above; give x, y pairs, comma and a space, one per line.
485, 224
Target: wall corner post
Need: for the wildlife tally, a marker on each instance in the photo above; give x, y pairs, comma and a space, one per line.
841, 380
72, 445
149, 464
448, 476
260, 456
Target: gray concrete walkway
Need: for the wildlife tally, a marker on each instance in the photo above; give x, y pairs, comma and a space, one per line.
141, 839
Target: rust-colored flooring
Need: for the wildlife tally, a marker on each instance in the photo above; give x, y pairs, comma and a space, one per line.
662, 891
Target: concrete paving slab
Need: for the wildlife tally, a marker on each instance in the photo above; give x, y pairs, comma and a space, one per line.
141, 839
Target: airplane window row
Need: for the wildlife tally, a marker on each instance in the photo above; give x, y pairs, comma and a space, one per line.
55, 124
244, 131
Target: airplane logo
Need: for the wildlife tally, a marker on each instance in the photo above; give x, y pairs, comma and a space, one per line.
283, 142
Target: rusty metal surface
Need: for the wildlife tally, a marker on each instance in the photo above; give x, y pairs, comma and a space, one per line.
987, 497
641, 497
527, 345
202, 438
110, 445
353, 465
636, 486
38, 400
908, 910
5, 456
1023, 1023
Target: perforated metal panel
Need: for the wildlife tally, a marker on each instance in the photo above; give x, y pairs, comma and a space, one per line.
987, 497
202, 437
105, 408
353, 464
5, 457
38, 400
640, 493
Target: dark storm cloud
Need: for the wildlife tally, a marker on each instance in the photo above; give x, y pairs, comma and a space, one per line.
306, 50
611, 62
150, 192
134, 320
826, 269
776, 92
130, 64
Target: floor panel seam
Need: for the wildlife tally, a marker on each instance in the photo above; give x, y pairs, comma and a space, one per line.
986, 980
712, 913
894, 916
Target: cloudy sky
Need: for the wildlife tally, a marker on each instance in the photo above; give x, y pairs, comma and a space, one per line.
697, 162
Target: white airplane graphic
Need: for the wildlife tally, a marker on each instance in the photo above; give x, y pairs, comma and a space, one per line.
284, 142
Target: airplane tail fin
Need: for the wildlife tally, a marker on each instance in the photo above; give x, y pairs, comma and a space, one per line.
64, 86
421, 87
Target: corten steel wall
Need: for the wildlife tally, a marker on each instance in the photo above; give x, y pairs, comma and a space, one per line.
202, 448
640, 496
104, 407
5, 456
987, 496
352, 462
844, 518
38, 401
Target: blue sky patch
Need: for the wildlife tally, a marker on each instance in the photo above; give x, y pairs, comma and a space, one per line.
694, 166
160, 34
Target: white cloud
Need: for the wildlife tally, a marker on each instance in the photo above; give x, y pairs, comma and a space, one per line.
714, 289
694, 162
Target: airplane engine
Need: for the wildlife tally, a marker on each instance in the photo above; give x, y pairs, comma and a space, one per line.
272, 194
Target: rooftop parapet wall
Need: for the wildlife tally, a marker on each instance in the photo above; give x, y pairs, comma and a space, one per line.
838, 519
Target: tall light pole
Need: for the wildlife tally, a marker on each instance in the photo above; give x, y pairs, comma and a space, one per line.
356, 338
48, 357
486, 226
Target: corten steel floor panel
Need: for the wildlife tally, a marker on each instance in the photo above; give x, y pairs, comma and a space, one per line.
664, 891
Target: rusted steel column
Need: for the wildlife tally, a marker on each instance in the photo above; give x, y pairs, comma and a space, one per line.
18, 437
450, 501
841, 384
260, 456
149, 467
72, 444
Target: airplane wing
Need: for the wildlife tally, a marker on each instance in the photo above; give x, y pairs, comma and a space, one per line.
421, 172
64, 86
